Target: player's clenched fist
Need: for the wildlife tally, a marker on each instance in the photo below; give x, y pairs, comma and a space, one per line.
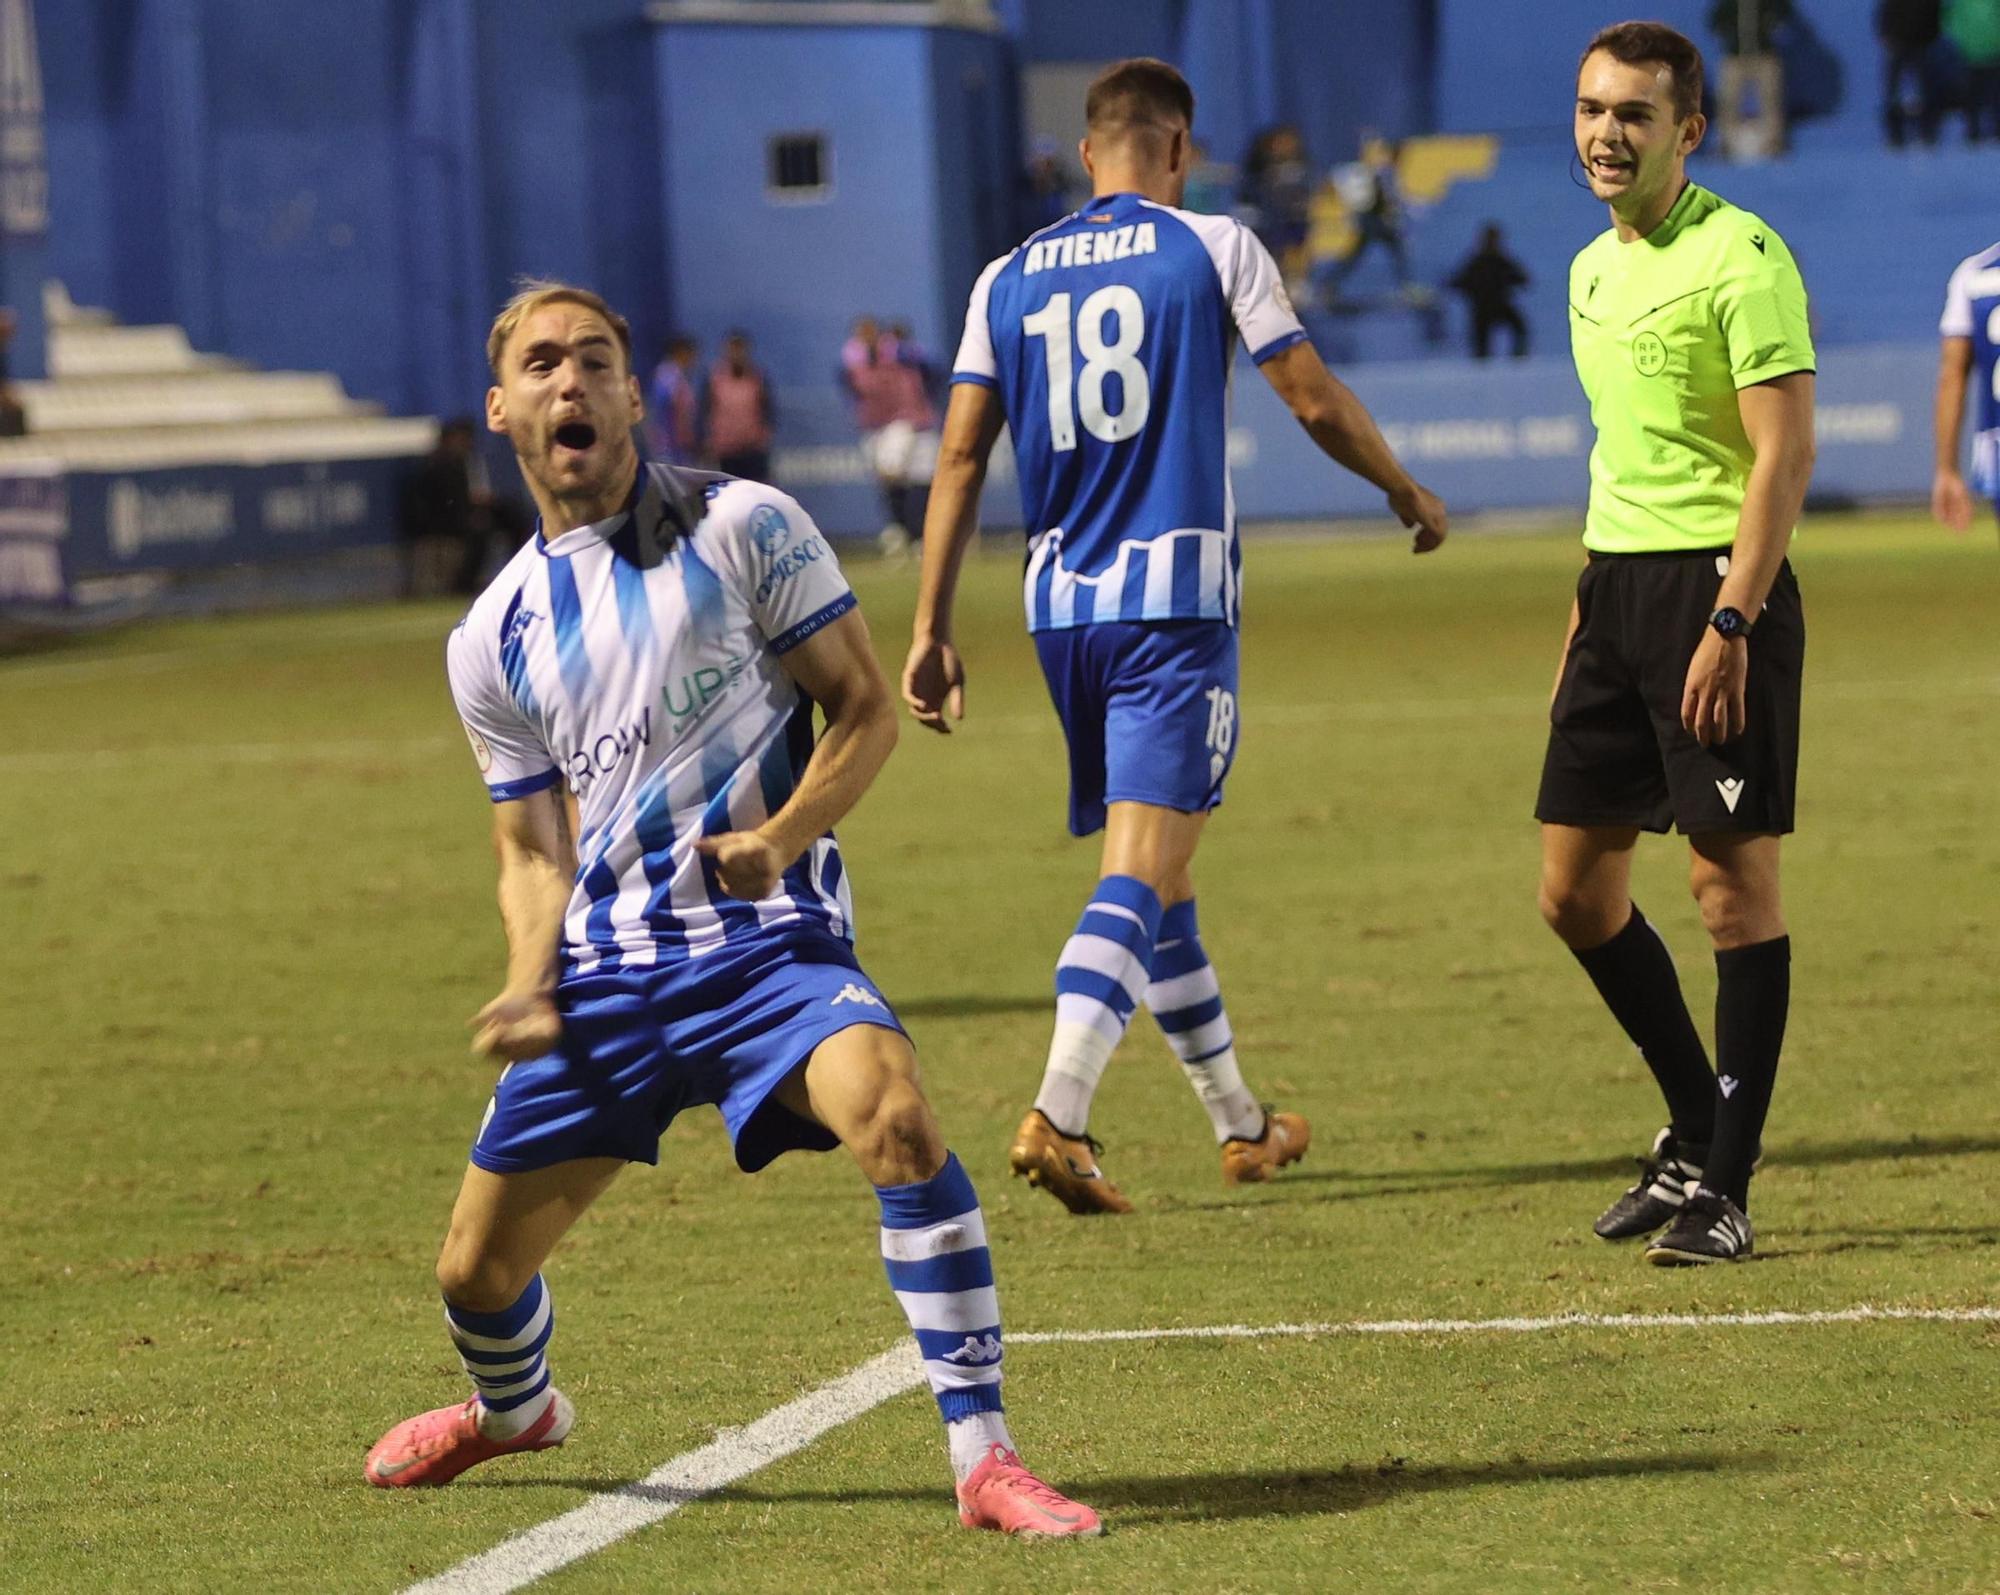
1424, 513
517, 1025
747, 865
934, 684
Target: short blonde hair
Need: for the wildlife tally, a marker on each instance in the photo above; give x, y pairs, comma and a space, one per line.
535, 292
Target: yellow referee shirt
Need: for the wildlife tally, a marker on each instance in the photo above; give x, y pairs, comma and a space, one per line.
1664, 330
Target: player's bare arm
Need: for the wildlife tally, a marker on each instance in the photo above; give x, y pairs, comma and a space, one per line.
537, 852
1951, 499
933, 675
1778, 418
1347, 434
836, 668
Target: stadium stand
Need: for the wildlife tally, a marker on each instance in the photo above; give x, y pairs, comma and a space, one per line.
144, 454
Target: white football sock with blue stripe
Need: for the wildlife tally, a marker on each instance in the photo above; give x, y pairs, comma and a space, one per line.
934, 1248
1186, 999
505, 1353
1099, 980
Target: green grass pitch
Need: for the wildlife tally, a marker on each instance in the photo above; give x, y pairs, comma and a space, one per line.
245, 908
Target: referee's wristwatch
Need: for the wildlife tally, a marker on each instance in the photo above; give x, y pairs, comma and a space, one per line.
1729, 623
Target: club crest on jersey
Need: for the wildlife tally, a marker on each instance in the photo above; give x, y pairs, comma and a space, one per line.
769, 529
1092, 249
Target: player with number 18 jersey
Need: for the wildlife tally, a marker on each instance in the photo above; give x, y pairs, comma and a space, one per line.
1106, 342
1970, 335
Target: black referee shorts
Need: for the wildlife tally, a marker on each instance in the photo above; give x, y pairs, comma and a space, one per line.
1618, 754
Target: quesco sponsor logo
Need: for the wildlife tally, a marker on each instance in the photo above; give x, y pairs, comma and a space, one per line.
605, 753
788, 564
138, 518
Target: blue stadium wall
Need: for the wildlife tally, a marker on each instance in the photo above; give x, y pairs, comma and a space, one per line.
355, 185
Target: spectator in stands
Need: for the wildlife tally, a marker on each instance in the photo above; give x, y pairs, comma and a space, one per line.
1275, 195
13, 415
1973, 26
1208, 185
739, 412
673, 405
1367, 187
884, 376
1909, 32
447, 516
1489, 279
1048, 189
1750, 98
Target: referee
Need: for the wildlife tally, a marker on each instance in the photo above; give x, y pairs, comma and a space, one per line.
1678, 697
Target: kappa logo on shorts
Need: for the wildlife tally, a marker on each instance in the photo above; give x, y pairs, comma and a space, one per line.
853, 993
1731, 790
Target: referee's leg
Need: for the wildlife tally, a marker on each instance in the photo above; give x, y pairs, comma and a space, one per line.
1586, 894
1734, 877
1586, 897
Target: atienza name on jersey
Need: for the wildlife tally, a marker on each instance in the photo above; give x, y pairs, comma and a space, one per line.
1111, 337
637, 660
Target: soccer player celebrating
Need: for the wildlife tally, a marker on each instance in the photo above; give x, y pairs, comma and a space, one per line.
1970, 333
658, 647
1105, 342
1678, 696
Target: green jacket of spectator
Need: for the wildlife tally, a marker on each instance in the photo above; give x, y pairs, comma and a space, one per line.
1973, 26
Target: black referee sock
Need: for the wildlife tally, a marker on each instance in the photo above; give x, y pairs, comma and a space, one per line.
1753, 996
1634, 974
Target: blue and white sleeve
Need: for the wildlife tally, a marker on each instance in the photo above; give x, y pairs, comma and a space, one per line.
513, 760
1957, 319
783, 565
976, 360
1252, 286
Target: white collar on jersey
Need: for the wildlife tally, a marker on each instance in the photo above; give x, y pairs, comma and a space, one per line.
664, 503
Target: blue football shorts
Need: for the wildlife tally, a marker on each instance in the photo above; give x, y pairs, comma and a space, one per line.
641, 1044
1149, 712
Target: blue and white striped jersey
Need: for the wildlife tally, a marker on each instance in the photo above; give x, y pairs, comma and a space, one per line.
1972, 310
1111, 337
638, 660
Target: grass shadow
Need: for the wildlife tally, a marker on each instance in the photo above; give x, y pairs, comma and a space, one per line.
1222, 1497
1805, 1154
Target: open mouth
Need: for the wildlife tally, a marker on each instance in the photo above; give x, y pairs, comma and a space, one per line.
577, 435
1606, 167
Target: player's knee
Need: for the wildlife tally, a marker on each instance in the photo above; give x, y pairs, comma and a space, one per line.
478, 1281
898, 1142
1735, 912
1580, 918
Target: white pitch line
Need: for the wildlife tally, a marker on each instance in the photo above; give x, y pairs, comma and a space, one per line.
733, 1454
1521, 1326
737, 1453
